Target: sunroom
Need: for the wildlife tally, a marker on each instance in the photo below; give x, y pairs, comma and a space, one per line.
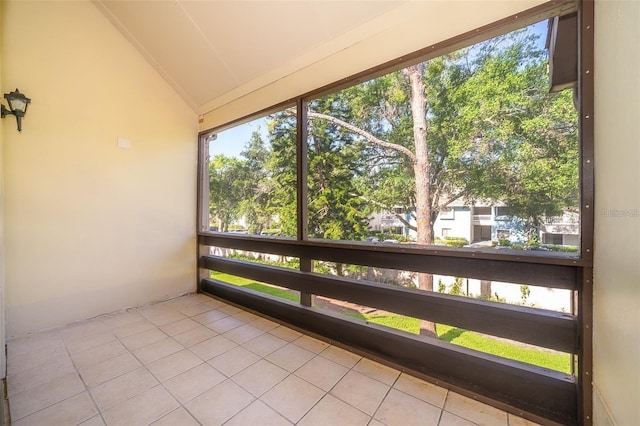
116, 211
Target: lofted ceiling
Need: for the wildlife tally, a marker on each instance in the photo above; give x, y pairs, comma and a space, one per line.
206, 49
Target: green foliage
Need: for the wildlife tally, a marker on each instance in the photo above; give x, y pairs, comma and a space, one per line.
525, 292
526, 145
502, 136
453, 241
282, 167
286, 262
394, 283
226, 185
504, 242
322, 267
354, 270
247, 188
259, 187
559, 248
493, 133
495, 298
456, 287
382, 236
334, 158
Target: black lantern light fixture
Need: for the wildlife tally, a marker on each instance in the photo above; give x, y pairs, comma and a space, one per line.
18, 106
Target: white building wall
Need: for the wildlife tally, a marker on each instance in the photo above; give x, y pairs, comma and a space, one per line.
539, 297
459, 226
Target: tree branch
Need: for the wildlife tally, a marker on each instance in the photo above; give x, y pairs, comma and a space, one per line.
406, 223
368, 136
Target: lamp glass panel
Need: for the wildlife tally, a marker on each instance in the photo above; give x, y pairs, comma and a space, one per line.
17, 104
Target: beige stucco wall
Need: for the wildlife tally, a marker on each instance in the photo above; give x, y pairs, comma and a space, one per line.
3, 365
91, 228
617, 223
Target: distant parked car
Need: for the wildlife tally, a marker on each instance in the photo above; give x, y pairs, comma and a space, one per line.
391, 241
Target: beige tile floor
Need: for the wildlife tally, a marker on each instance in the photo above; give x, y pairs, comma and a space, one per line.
195, 360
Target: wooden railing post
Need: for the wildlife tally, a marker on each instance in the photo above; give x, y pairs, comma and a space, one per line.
203, 273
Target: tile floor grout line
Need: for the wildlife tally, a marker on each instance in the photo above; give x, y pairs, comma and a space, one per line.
243, 318
442, 408
261, 357
86, 387
373, 416
328, 392
318, 401
50, 405
190, 414
289, 373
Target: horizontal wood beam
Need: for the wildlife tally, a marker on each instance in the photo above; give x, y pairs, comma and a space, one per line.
530, 269
542, 392
548, 329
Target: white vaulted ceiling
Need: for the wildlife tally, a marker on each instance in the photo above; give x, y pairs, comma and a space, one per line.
229, 58
208, 48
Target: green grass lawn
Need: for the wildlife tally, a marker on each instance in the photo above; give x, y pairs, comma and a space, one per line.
468, 339
552, 360
253, 285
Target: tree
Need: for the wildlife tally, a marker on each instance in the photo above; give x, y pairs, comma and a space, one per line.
334, 165
283, 172
258, 186
226, 186
467, 125
524, 152
419, 159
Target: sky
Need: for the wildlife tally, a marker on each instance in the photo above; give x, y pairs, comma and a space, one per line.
232, 141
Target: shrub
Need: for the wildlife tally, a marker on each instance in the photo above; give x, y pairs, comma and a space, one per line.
389, 281
453, 241
456, 287
525, 292
381, 236
292, 263
504, 242
559, 248
495, 298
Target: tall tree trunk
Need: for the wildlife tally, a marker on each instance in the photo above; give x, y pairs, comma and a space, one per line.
422, 172
421, 168
485, 289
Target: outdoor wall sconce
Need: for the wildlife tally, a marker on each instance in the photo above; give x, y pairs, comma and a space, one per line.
18, 106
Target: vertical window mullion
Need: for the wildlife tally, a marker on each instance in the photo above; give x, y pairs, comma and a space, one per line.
301, 162
587, 211
302, 188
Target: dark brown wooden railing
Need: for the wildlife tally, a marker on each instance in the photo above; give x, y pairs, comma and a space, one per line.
516, 386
